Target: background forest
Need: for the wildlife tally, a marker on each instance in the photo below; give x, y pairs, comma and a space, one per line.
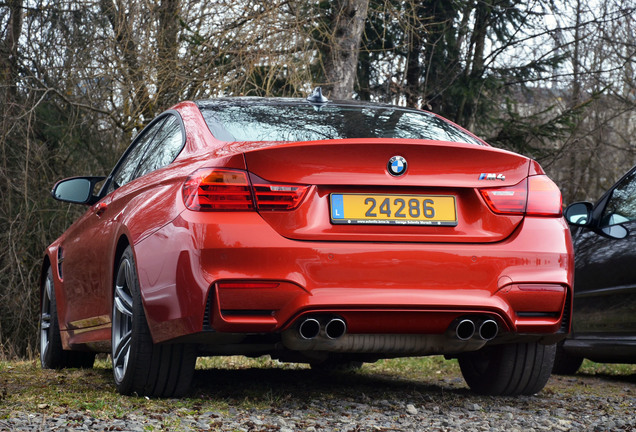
552, 79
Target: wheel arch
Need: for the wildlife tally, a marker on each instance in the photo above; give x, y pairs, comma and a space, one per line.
46, 263
122, 243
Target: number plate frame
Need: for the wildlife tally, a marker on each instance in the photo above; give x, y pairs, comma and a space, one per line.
355, 209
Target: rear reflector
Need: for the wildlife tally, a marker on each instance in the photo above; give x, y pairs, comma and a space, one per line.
534, 196
248, 285
211, 189
542, 288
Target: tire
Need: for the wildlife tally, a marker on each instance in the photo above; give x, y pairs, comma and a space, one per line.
140, 366
52, 354
511, 369
564, 363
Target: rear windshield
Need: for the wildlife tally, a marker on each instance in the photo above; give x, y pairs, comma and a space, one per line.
280, 122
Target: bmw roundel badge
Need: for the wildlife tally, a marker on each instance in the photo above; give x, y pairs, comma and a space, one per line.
396, 166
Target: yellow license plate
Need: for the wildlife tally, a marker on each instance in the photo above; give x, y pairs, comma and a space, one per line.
437, 210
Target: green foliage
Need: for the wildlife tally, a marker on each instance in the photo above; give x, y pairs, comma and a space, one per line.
534, 134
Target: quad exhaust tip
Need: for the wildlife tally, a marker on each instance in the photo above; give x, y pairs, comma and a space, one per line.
467, 328
310, 328
335, 328
488, 330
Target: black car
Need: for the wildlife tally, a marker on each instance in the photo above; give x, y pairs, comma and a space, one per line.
604, 313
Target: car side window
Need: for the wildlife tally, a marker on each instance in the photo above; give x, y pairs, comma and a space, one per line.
127, 169
164, 148
621, 207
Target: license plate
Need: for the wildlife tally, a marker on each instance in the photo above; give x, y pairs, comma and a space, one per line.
437, 210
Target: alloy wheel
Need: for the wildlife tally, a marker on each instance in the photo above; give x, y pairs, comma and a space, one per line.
122, 319
45, 318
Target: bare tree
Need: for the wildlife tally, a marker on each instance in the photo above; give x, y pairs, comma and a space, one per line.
340, 55
79, 78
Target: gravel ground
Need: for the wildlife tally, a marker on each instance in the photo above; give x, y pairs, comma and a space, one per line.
289, 401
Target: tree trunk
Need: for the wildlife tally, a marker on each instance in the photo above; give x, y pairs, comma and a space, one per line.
575, 99
167, 41
9, 53
413, 64
141, 111
475, 69
341, 55
364, 76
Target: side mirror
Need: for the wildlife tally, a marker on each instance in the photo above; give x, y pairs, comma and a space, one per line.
77, 190
615, 231
579, 213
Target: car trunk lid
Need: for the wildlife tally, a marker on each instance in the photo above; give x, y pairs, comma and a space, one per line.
357, 172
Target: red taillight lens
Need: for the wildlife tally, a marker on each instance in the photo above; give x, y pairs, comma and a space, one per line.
544, 197
279, 197
210, 189
534, 196
508, 200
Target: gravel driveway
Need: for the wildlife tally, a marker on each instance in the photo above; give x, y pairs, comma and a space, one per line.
302, 400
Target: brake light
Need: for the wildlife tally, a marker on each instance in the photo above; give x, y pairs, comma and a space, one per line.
534, 196
507, 200
544, 197
210, 189
279, 197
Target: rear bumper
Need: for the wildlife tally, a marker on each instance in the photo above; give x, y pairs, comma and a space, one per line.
237, 275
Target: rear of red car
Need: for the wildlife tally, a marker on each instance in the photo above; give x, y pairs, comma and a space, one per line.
301, 243
326, 233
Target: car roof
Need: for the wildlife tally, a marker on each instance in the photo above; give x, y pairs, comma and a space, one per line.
256, 100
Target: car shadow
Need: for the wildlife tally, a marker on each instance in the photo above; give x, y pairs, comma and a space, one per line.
627, 378
270, 385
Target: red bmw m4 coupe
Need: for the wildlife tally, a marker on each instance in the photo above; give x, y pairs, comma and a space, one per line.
329, 233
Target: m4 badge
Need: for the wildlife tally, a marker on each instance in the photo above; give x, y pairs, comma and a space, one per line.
491, 176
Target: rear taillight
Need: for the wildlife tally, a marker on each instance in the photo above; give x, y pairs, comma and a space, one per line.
544, 197
278, 197
534, 196
211, 189
508, 200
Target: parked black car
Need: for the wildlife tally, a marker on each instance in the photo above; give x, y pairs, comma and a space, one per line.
604, 313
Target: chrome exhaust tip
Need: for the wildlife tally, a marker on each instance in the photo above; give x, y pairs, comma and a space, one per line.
309, 328
465, 329
335, 328
488, 330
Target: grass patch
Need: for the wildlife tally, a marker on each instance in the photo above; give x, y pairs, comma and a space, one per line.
223, 384
608, 369
242, 362
415, 367
220, 382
